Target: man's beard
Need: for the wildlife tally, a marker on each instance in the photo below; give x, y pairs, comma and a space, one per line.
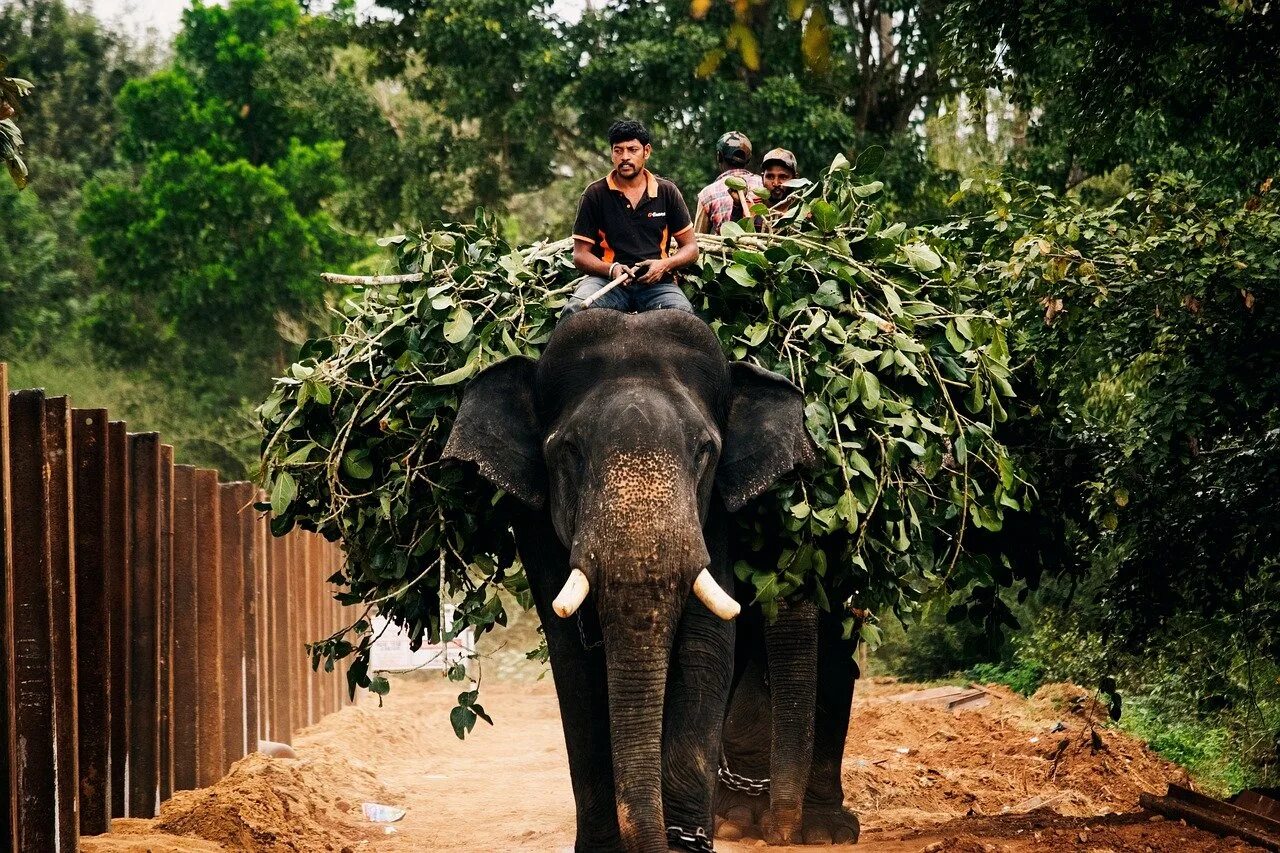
628, 169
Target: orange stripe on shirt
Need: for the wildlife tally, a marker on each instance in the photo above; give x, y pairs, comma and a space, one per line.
607, 257
666, 240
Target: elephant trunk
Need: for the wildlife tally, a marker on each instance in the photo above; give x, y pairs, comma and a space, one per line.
638, 633
791, 643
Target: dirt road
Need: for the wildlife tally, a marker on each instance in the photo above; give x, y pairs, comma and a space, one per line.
1014, 775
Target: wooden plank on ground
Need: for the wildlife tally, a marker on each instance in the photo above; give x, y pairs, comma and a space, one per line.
117, 574
232, 623
32, 778
93, 653
209, 740
1215, 816
182, 667
950, 697
144, 636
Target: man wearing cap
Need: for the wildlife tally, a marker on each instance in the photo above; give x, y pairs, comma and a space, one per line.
778, 167
718, 203
626, 222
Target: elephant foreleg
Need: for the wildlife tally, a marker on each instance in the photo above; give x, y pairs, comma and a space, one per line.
826, 820
791, 647
697, 693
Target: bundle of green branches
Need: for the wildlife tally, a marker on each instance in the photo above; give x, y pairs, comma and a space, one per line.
903, 384
12, 90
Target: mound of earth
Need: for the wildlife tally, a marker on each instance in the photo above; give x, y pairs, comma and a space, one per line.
911, 765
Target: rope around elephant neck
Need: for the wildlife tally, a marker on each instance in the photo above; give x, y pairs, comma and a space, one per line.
734, 782
697, 840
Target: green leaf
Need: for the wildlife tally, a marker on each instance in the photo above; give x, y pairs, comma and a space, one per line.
825, 216
868, 189
921, 257
741, 275
455, 376
283, 492
458, 326
357, 465
301, 454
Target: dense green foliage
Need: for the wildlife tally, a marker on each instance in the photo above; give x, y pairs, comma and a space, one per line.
1148, 421
1185, 86
904, 386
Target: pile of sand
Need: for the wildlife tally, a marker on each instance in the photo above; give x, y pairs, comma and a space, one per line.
915, 765
263, 805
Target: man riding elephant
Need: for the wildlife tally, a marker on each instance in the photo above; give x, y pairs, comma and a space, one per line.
625, 225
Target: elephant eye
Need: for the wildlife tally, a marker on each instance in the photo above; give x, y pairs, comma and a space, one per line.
706, 451
574, 457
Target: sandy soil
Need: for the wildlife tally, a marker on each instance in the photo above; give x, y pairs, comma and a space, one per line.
924, 780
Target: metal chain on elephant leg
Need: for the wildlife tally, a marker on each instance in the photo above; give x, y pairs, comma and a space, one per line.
582, 635
697, 840
734, 782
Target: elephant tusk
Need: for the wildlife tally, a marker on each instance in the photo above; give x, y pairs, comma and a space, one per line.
714, 597
574, 592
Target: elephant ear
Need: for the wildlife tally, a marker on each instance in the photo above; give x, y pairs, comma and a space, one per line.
497, 428
764, 435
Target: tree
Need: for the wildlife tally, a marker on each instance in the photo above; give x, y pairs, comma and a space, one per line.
227, 225
1190, 86
80, 65
496, 70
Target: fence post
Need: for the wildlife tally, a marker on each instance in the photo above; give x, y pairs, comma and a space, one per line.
27, 640
8, 761
244, 497
313, 632
62, 617
183, 668
209, 634
278, 590
232, 624
118, 522
297, 591
166, 622
93, 653
144, 639
262, 566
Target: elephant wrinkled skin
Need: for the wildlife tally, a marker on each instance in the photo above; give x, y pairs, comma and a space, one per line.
626, 445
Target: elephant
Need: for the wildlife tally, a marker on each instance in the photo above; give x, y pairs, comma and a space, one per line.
785, 730
626, 446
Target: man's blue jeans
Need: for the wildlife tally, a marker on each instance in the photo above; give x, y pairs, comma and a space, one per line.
635, 297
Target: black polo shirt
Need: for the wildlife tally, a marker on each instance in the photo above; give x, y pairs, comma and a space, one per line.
619, 233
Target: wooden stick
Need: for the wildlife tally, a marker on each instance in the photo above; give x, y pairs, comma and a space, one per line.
371, 280
586, 303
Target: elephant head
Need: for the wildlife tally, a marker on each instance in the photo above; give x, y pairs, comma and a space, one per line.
625, 431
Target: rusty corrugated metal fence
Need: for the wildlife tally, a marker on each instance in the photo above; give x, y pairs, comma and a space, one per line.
153, 629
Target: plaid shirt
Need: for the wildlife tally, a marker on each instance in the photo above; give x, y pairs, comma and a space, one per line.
717, 201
